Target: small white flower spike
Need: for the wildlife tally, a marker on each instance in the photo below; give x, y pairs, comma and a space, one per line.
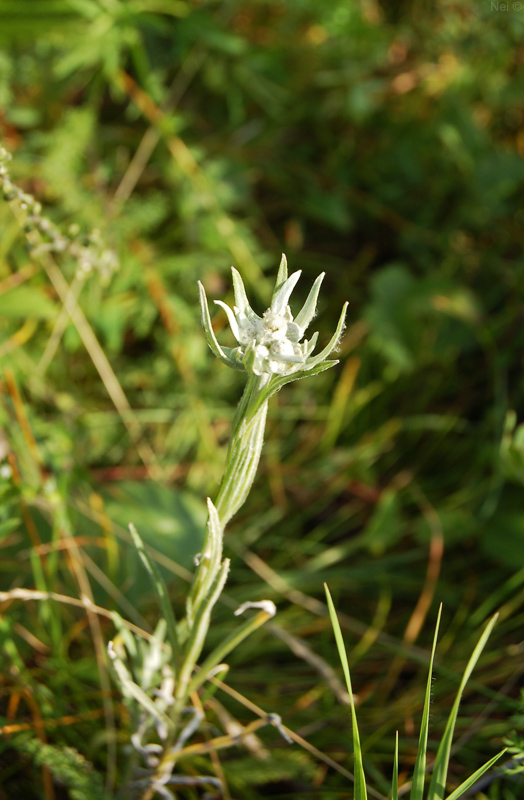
271, 345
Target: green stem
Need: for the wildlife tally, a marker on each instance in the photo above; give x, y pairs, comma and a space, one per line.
249, 404
223, 649
245, 446
243, 455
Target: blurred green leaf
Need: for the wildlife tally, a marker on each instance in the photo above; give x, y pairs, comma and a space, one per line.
386, 525
26, 301
503, 538
170, 520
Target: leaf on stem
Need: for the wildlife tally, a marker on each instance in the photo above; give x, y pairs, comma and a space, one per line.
132, 689
198, 634
308, 310
334, 339
209, 561
209, 332
281, 276
241, 301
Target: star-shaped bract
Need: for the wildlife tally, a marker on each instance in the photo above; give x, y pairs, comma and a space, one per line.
271, 345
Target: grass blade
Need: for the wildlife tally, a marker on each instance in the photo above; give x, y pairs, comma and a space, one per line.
419, 774
437, 786
459, 791
160, 589
394, 782
360, 778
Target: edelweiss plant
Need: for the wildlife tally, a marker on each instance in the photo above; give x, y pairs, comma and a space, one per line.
270, 351
158, 679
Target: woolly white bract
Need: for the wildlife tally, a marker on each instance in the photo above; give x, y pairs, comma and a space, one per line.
270, 345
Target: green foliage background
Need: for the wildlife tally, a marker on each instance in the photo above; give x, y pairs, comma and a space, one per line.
381, 143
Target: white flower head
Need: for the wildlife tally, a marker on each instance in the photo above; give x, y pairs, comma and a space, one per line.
271, 345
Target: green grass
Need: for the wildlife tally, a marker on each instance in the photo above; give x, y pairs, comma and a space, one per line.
439, 769
382, 146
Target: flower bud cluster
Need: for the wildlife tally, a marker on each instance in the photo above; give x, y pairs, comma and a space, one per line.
89, 251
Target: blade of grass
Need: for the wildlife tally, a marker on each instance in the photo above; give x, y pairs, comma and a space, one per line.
459, 791
394, 782
419, 773
437, 786
360, 778
160, 589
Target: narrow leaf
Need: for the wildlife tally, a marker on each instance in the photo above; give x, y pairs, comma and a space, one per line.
210, 561
241, 301
281, 276
459, 791
278, 382
334, 339
394, 782
129, 686
419, 774
197, 636
208, 328
160, 589
308, 310
233, 324
360, 778
437, 786
312, 344
281, 298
